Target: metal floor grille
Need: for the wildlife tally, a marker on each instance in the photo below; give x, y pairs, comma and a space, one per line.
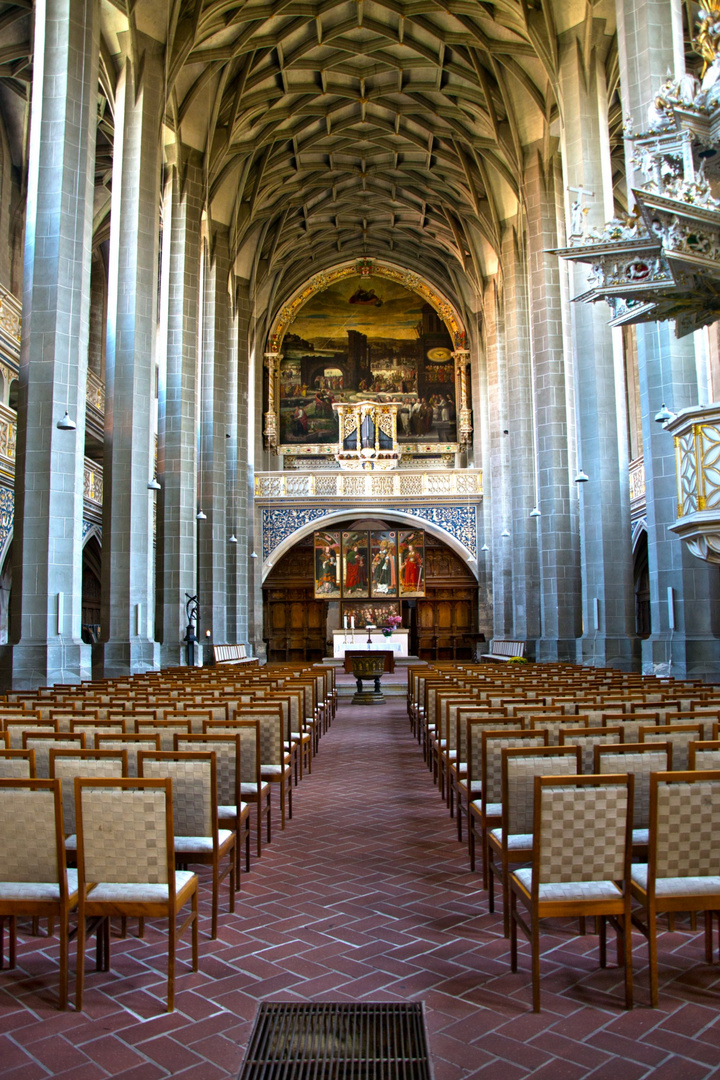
327, 1041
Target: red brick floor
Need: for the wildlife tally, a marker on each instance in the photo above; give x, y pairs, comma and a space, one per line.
366, 896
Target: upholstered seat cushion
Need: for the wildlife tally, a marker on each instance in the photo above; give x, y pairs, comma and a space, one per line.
641, 836
675, 886
138, 893
251, 789
569, 890
516, 841
201, 845
231, 811
272, 770
39, 890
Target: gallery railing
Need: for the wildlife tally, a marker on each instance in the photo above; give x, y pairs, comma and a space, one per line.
697, 463
436, 484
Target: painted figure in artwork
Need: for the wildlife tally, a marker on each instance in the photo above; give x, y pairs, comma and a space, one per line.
383, 571
411, 570
355, 569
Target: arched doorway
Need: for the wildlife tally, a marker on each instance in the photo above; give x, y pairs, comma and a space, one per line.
91, 591
299, 627
641, 579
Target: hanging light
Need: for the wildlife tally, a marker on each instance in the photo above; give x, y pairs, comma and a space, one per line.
505, 533
153, 485
535, 512
662, 417
582, 477
484, 548
233, 539
66, 424
253, 555
200, 516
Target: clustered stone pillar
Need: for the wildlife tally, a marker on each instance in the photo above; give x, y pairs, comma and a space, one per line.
685, 619
177, 423
213, 534
557, 498
127, 565
606, 547
47, 575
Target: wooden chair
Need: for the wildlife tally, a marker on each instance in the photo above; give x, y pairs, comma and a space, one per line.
641, 760
43, 743
486, 812
233, 813
587, 739
166, 729
680, 735
131, 743
512, 841
274, 760
16, 727
253, 789
17, 764
703, 754
111, 726
126, 865
580, 865
683, 868
34, 879
198, 839
66, 764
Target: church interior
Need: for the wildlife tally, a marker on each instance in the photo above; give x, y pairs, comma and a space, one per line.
332, 335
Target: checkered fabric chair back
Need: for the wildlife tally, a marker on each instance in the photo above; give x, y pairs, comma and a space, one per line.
15, 765
686, 827
42, 748
581, 832
492, 769
192, 791
67, 768
225, 751
271, 740
587, 741
28, 850
130, 743
521, 773
124, 834
641, 765
680, 740
554, 725
704, 759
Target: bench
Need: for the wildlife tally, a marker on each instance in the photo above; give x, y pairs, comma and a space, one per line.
232, 654
504, 650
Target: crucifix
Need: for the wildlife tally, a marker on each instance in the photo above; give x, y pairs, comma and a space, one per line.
578, 212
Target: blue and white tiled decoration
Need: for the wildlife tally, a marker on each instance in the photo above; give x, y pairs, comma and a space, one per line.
459, 521
7, 514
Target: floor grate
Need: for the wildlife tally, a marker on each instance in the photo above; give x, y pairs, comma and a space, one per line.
337, 1041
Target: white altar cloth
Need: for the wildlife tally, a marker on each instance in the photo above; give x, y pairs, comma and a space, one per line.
397, 642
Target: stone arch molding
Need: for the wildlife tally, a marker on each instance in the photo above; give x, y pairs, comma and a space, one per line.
367, 268
400, 517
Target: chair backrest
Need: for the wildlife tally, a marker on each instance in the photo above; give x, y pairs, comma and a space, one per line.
194, 787
630, 723
16, 728
250, 755
131, 742
474, 728
582, 829
684, 825
195, 714
65, 765
704, 755
269, 717
166, 729
117, 726
17, 764
587, 739
680, 735
494, 741
228, 761
42, 744
554, 724
519, 765
641, 760
125, 831
33, 845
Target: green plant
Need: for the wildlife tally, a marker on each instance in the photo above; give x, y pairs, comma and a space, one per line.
518, 660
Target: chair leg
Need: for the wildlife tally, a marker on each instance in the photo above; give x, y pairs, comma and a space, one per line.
172, 928
513, 931
603, 941
627, 942
535, 950
80, 962
289, 790
708, 937
195, 930
652, 953
64, 942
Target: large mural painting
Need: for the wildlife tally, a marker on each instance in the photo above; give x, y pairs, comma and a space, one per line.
367, 338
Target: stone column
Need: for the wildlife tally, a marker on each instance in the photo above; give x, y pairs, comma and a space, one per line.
650, 41
497, 476
557, 497
213, 534
238, 515
47, 571
523, 541
177, 441
127, 564
606, 541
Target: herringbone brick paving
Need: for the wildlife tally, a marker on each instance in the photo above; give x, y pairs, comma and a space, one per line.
365, 896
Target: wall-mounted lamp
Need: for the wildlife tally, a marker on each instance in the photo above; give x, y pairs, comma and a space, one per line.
233, 539
66, 424
662, 417
200, 516
253, 555
535, 512
582, 477
505, 533
153, 485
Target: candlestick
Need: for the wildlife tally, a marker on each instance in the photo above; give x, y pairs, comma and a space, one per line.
352, 622
345, 621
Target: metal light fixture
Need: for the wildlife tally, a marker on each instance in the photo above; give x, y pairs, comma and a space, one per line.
233, 539
153, 485
664, 416
200, 516
582, 477
535, 512
66, 424
253, 555
505, 533
484, 548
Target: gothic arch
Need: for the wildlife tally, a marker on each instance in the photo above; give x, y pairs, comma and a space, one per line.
401, 517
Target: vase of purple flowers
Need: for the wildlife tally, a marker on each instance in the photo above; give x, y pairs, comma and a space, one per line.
392, 622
